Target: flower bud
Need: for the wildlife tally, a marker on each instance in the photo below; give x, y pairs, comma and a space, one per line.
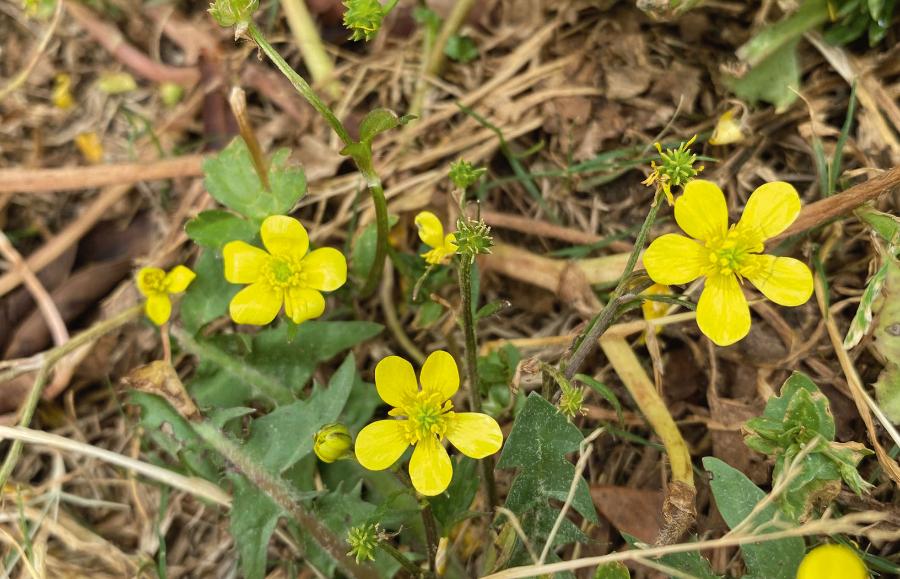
333, 442
464, 174
473, 237
229, 13
363, 540
363, 18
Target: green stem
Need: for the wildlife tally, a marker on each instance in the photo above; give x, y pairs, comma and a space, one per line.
299, 83
381, 223
50, 358
604, 319
363, 164
431, 536
391, 550
263, 384
465, 290
280, 492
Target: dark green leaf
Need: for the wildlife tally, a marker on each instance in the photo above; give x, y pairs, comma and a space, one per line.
452, 505
379, 121
537, 446
232, 181
284, 436
215, 228
772, 79
207, 297
461, 48
253, 519
736, 497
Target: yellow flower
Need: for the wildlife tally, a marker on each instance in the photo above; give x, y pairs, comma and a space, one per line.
62, 95
287, 274
727, 255
832, 562
431, 232
90, 146
728, 130
653, 309
156, 285
332, 442
429, 418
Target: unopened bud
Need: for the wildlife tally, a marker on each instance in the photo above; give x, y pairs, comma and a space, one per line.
333, 442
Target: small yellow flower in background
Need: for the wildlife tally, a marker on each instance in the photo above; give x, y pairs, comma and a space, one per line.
90, 146
62, 94
832, 562
332, 442
429, 418
431, 232
728, 130
286, 274
116, 82
728, 255
156, 285
653, 309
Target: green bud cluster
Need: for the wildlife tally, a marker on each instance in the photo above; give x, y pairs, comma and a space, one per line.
464, 174
363, 540
472, 237
228, 13
363, 18
571, 401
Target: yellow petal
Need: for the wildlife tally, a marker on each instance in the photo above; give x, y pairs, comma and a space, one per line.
722, 312
429, 468
701, 210
431, 230
727, 131
301, 304
784, 280
770, 210
832, 562
475, 434
158, 308
244, 263
395, 380
674, 259
283, 235
653, 309
257, 304
150, 280
450, 244
440, 374
325, 269
381, 443
178, 279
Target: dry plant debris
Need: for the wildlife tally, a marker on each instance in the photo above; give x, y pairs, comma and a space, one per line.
225, 232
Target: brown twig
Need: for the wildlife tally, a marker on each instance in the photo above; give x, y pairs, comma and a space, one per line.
84, 177
821, 212
540, 228
112, 40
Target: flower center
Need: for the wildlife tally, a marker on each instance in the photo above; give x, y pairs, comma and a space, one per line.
154, 280
284, 272
427, 417
728, 255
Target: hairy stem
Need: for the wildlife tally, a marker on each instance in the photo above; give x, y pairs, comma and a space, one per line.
468, 318
280, 492
364, 164
431, 535
391, 550
604, 319
299, 83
